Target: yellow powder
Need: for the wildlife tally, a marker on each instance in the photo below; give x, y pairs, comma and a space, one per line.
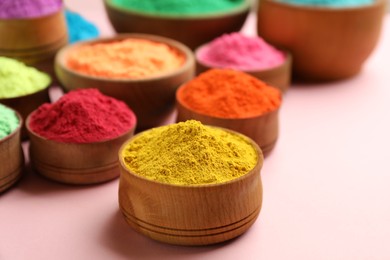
189, 153
126, 59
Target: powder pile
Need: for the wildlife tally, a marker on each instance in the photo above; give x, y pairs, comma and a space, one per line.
12, 9
126, 59
228, 93
179, 7
237, 51
9, 121
82, 116
189, 153
79, 29
17, 79
330, 3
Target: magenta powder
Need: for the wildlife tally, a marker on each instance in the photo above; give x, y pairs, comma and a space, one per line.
240, 52
12, 9
82, 116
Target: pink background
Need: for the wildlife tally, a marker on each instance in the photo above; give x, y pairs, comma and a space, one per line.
326, 185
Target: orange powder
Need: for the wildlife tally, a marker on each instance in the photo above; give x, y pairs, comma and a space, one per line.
126, 59
228, 93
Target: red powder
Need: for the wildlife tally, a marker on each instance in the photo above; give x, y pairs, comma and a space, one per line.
82, 116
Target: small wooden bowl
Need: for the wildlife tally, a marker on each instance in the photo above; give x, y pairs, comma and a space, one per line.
152, 99
11, 158
279, 77
191, 30
27, 103
34, 41
74, 163
325, 43
191, 215
263, 129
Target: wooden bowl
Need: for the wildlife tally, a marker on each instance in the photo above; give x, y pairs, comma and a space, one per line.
325, 43
263, 129
152, 99
279, 77
34, 41
191, 215
76, 163
26, 104
191, 30
11, 158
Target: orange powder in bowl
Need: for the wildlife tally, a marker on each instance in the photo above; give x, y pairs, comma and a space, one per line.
125, 59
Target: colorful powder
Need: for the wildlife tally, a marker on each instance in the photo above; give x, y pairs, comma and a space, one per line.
17, 79
12, 9
237, 51
79, 29
189, 153
330, 3
126, 59
9, 121
82, 116
179, 7
229, 93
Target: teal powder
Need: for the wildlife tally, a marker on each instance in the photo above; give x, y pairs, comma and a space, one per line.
8, 121
79, 29
179, 7
330, 3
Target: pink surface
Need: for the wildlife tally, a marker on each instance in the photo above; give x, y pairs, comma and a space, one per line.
326, 186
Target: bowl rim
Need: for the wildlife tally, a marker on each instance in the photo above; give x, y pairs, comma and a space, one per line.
60, 58
45, 139
258, 165
287, 59
17, 129
242, 8
35, 18
324, 8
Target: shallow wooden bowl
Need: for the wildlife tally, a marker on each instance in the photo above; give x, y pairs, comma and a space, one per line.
191, 30
191, 215
27, 103
74, 163
11, 158
152, 99
325, 43
263, 129
279, 77
34, 41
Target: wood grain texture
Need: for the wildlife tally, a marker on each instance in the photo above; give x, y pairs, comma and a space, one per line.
11, 158
325, 43
191, 215
151, 99
73, 163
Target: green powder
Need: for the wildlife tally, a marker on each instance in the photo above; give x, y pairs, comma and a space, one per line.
8, 121
17, 79
179, 7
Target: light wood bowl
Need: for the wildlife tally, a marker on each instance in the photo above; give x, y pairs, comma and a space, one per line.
191, 215
11, 158
26, 104
76, 163
278, 77
263, 129
152, 99
191, 30
34, 41
325, 43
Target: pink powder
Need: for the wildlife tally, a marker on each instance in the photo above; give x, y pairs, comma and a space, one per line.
13, 9
240, 52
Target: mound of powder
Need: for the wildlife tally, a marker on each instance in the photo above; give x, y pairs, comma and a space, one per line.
82, 116
240, 52
125, 59
79, 28
330, 3
17, 79
9, 121
12, 9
